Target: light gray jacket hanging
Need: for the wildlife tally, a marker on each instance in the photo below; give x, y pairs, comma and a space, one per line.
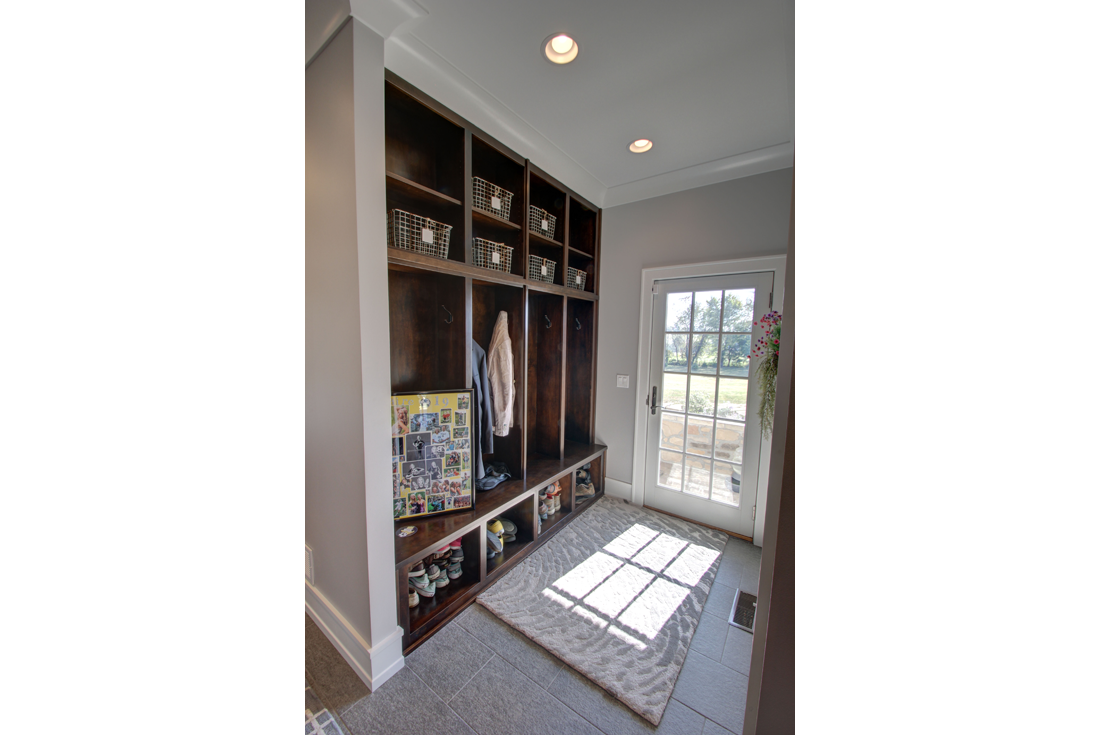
502, 383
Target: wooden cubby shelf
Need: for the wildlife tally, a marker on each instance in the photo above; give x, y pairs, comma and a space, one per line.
438, 307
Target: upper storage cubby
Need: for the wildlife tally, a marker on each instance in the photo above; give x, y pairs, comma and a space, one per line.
546, 199
425, 161
497, 207
583, 228
427, 331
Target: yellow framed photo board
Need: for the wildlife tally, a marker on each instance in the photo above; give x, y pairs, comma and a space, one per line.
432, 452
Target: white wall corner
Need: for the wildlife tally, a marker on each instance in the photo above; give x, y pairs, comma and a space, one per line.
386, 16
373, 664
618, 489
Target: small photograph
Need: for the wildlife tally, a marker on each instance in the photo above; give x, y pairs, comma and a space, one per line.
399, 507
436, 503
396, 485
434, 468
452, 472
454, 459
450, 446
435, 451
444, 415
462, 501
418, 502
399, 417
441, 435
464, 478
462, 444
461, 432
450, 503
460, 418
465, 460
394, 468
424, 421
464, 402
404, 487
398, 446
416, 473
416, 445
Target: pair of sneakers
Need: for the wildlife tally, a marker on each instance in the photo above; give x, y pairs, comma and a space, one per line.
420, 584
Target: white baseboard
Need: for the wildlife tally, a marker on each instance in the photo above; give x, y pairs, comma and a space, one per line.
373, 664
618, 489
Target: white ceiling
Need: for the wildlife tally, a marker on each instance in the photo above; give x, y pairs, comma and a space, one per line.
711, 82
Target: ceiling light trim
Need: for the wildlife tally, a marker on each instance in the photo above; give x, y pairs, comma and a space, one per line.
560, 58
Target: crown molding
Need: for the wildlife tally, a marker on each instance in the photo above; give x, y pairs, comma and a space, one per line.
384, 17
760, 161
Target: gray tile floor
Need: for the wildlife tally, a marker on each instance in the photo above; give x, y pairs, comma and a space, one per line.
479, 675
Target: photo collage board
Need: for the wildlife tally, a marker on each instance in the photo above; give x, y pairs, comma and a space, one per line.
432, 451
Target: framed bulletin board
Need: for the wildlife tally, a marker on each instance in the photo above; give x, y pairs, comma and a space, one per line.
432, 437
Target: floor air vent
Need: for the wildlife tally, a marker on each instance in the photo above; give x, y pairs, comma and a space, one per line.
744, 611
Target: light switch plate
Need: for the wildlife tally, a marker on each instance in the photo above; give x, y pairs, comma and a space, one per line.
622, 381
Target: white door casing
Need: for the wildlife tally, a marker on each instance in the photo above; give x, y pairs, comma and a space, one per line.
773, 264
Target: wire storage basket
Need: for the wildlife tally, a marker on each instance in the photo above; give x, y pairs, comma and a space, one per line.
575, 278
492, 199
541, 222
419, 234
493, 255
540, 269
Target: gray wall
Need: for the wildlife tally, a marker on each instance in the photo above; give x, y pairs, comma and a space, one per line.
347, 395
323, 17
742, 218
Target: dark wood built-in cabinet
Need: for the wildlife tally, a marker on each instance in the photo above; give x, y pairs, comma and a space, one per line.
439, 306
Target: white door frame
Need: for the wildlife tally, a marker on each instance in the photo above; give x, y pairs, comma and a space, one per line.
776, 264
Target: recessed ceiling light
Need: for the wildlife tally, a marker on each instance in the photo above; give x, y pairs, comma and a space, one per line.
641, 145
560, 48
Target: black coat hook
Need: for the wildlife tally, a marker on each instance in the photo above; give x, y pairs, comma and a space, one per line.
544, 316
449, 318
578, 321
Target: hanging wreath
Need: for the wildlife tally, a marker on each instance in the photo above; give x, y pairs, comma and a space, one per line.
766, 352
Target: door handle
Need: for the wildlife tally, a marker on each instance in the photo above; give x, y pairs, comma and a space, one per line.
653, 402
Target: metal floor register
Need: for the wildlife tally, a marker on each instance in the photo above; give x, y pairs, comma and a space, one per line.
744, 611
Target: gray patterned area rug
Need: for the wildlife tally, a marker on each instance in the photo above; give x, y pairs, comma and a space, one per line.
617, 595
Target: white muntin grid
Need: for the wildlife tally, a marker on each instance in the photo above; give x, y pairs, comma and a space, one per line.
493, 255
541, 222
540, 269
491, 198
575, 278
419, 234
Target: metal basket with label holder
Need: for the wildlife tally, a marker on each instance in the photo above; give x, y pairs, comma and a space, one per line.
493, 255
489, 197
575, 278
540, 269
541, 222
419, 234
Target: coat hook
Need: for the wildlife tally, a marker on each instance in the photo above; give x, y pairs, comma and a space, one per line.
578, 321
449, 318
544, 316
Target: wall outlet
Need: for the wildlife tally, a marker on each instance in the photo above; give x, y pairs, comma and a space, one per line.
309, 565
622, 381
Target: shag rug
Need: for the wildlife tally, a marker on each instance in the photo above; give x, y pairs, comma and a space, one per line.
617, 595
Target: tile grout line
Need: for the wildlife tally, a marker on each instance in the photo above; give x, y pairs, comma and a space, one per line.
446, 703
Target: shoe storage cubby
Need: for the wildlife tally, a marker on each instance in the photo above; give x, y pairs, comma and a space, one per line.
439, 307
523, 515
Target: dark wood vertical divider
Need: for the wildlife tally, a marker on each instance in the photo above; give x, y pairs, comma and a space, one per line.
439, 306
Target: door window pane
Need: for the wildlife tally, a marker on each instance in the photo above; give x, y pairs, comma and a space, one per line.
697, 476
733, 359
676, 352
708, 309
700, 436
729, 441
704, 353
732, 397
678, 312
672, 431
669, 471
702, 396
673, 390
738, 313
726, 484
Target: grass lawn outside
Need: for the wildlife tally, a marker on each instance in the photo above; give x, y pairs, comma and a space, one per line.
732, 393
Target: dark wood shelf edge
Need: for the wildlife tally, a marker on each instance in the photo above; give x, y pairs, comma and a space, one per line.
562, 291
543, 240
575, 251
494, 219
411, 259
420, 188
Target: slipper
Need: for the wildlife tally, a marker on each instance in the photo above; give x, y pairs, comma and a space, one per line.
509, 527
509, 538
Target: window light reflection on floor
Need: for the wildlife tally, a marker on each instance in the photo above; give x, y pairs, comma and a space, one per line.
625, 592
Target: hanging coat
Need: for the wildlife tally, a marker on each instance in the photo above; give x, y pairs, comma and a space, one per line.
502, 384
484, 403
